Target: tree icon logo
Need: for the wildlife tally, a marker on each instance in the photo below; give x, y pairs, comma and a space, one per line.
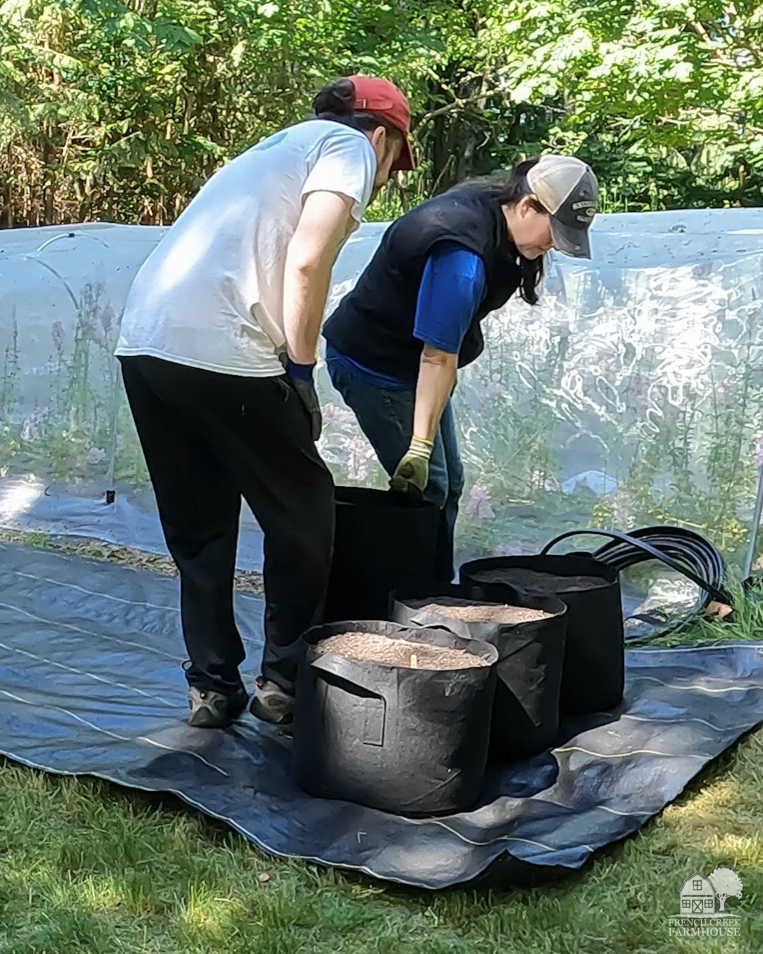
726, 884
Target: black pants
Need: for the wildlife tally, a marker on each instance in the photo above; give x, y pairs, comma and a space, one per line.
210, 439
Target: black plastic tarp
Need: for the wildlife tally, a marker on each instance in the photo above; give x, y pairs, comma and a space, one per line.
91, 683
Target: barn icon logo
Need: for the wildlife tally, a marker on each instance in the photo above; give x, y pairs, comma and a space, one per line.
697, 898
699, 895
702, 906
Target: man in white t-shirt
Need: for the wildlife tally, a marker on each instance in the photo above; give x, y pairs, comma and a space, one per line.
217, 347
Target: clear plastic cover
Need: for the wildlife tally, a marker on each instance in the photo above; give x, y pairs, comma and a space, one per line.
630, 396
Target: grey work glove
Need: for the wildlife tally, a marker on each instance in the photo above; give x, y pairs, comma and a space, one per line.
412, 473
301, 376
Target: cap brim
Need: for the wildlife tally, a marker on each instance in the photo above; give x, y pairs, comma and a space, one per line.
405, 162
574, 242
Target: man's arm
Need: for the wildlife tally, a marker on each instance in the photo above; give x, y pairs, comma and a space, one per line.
323, 225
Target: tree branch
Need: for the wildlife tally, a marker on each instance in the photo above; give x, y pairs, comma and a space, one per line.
702, 33
459, 103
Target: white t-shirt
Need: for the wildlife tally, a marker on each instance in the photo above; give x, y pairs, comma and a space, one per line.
211, 294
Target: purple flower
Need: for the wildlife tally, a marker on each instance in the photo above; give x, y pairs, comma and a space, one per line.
759, 451
31, 428
479, 505
58, 336
361, 458
107, 317
97, 334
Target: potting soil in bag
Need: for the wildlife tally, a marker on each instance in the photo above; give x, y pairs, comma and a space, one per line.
593, 675
529, 634
394, 718
383, 541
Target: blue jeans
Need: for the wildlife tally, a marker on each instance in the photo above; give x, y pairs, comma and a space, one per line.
386, 418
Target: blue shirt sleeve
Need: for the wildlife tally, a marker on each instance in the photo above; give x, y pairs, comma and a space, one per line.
452, 288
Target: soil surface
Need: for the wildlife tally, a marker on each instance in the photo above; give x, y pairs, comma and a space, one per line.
545, 584
400, 653
471, 612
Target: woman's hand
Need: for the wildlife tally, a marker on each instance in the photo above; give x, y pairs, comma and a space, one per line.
437, 377
412, 473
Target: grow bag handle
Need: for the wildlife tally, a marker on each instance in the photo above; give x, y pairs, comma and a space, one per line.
382, 681
440, 627
646, 548
378, 695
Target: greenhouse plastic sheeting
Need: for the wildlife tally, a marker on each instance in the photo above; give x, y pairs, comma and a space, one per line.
91, 683
632, 395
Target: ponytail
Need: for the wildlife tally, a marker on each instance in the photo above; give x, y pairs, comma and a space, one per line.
336, 102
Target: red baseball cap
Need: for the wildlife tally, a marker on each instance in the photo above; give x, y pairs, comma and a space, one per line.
384, 99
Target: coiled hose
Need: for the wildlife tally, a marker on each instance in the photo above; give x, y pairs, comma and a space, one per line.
683, 550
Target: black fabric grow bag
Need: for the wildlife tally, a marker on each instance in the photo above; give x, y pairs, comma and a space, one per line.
594, 659
530, 659
383, 541
408, 741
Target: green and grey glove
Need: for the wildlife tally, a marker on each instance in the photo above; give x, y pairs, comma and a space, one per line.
412, 473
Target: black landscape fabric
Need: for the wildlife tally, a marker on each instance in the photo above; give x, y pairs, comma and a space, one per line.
91, 684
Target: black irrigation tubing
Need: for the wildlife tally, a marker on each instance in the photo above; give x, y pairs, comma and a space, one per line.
684, 550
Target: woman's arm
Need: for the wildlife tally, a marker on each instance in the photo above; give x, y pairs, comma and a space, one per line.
452, 288
437, 375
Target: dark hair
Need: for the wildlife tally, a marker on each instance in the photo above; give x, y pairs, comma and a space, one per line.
336, 102
509, 191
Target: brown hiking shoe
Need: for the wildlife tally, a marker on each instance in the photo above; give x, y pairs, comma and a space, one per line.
271, 703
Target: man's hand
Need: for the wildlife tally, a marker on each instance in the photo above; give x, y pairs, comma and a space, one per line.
412, 473
301, 376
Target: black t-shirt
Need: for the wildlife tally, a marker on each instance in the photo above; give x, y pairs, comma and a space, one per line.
373, 324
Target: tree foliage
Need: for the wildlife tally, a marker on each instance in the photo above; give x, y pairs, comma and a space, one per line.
120, 109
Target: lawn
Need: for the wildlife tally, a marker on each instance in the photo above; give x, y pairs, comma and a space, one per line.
87, 867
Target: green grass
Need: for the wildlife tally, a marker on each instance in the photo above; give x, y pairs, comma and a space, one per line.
87, 867
744, 624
